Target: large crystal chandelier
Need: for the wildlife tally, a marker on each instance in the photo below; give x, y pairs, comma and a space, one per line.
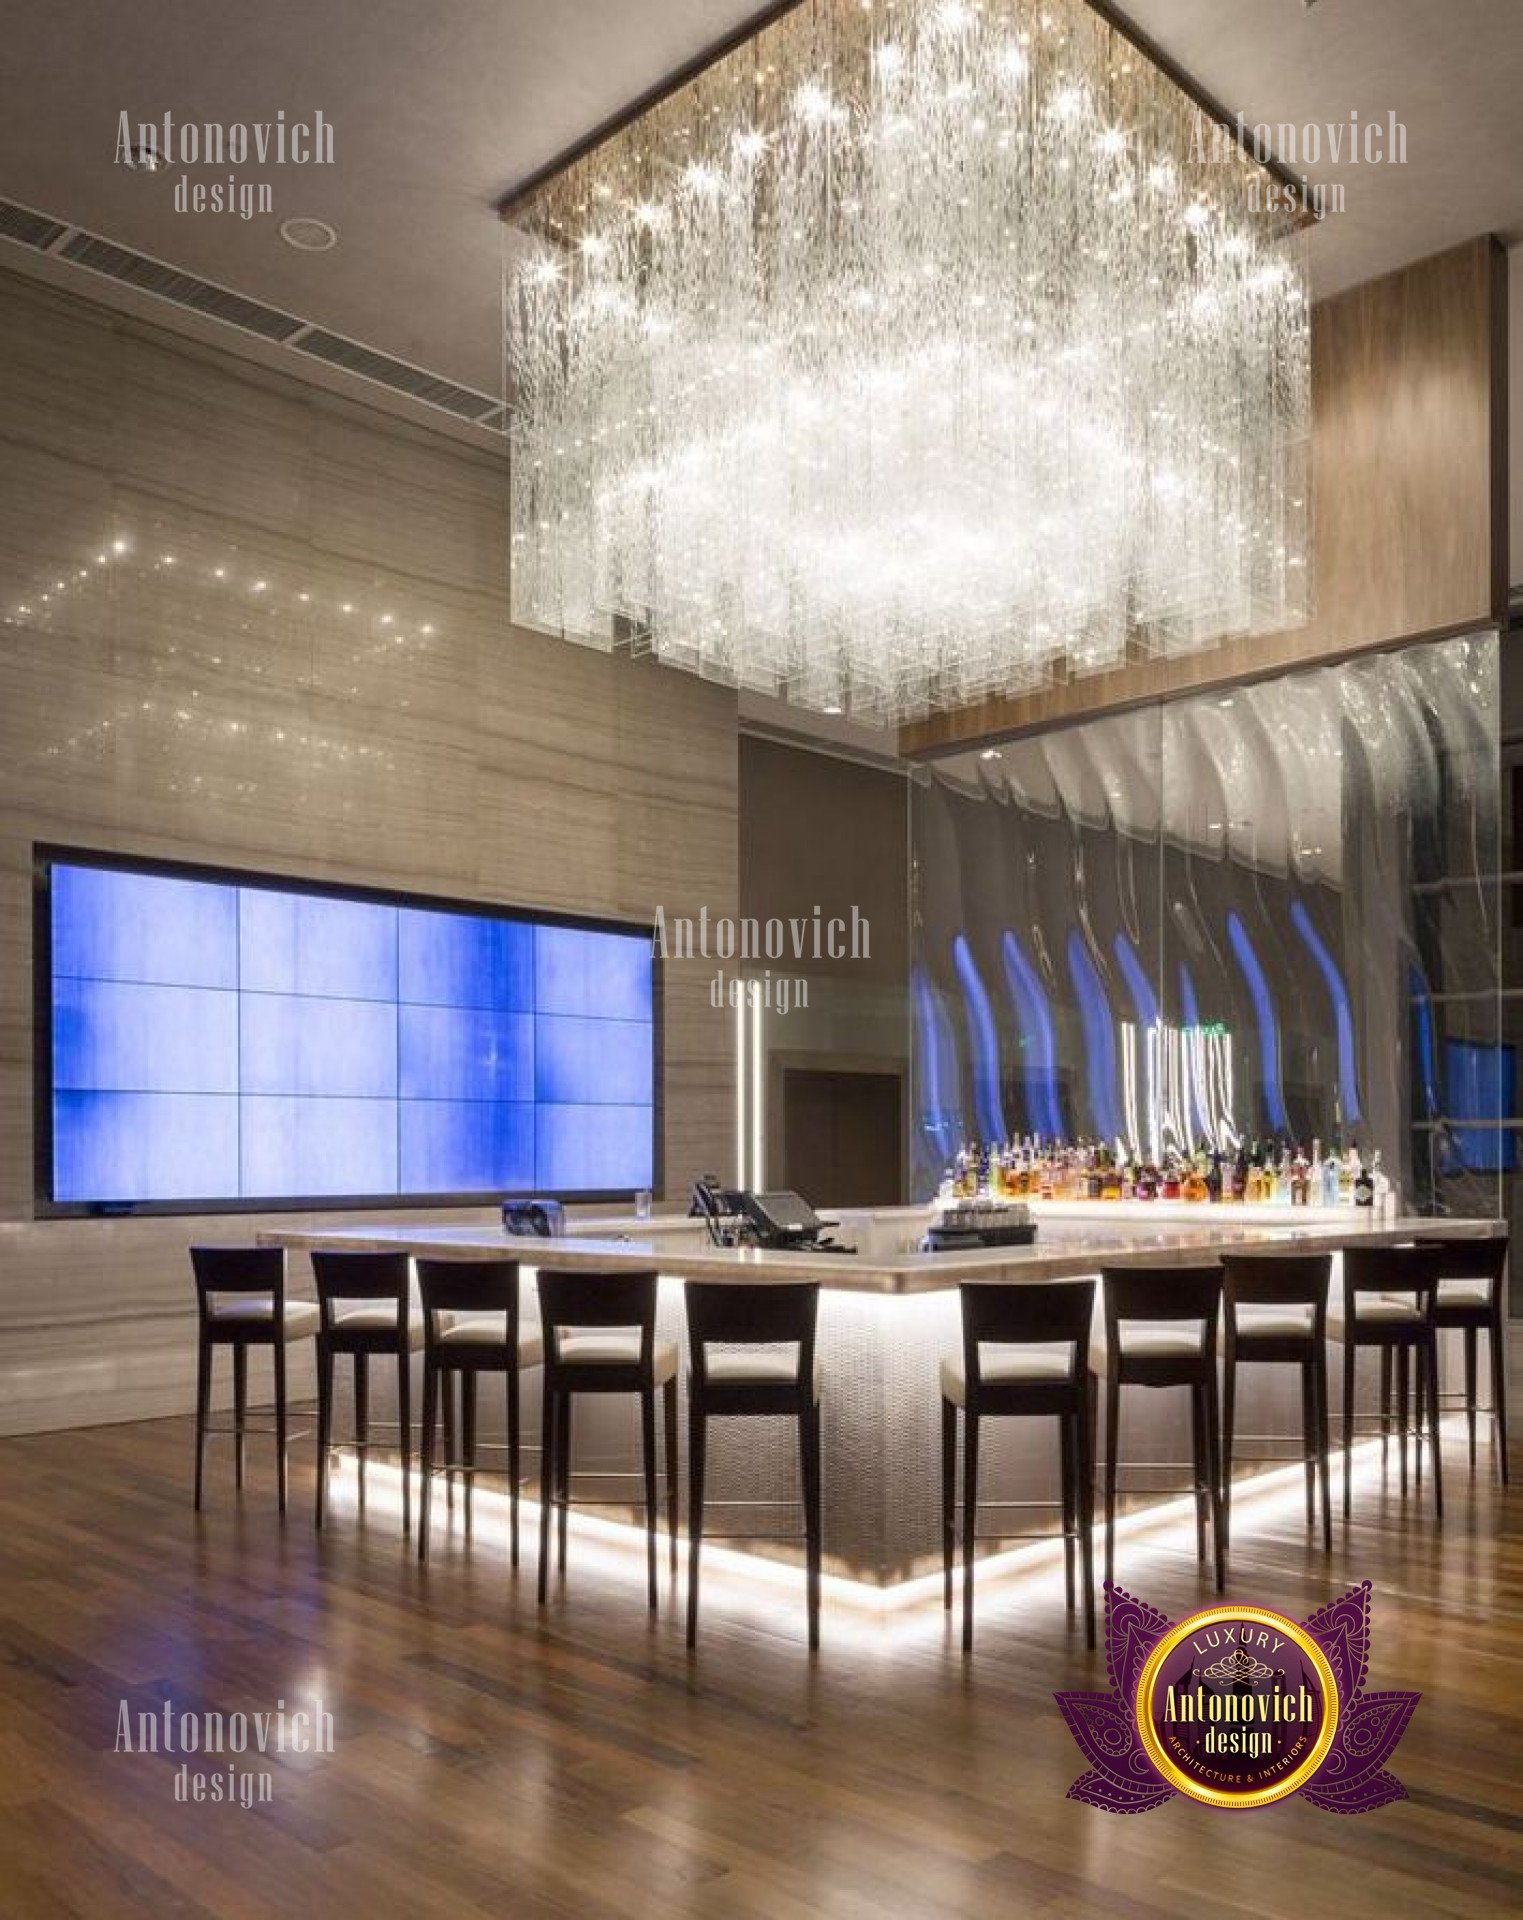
912, 352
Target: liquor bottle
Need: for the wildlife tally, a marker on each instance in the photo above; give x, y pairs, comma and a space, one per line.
1314, 1176
1385, 1193
1300, 1179
1364, 1187
1215, 1179
1193, 1186
1348, 1170
1169, 1187
1238, 1191
946, 1193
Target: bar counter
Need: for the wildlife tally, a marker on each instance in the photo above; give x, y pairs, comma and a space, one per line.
888, 1315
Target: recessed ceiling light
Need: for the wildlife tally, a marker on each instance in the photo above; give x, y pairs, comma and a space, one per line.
308, 235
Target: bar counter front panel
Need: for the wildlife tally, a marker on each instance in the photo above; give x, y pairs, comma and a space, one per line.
888, 1317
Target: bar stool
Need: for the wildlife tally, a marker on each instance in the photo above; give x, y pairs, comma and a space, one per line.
1472, 1298
1274, 1311
1387, 1303
1160, 1331
600, 1337
1037, 1341
754, 1385
241, 1303
364, 1300
463, 1349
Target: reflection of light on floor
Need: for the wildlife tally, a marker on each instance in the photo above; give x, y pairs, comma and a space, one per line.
613, 1549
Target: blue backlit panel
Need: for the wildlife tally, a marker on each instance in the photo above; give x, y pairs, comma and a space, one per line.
214, 1041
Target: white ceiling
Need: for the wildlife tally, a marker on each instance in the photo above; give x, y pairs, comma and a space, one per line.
440, 108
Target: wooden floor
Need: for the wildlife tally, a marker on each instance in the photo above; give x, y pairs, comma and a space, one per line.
493, 1759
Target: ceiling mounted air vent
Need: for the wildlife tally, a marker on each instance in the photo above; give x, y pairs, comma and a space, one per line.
42, 233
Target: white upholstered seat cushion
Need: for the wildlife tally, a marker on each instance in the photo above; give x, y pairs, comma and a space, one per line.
1263, 1321
1003, 1366
1375, 1309
380, 1318
1145, 1340
1464, 1293
617, 1349
491, 1330
729, 1367
258, 1309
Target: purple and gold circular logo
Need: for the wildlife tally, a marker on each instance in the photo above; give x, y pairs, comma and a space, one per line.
1237, 1706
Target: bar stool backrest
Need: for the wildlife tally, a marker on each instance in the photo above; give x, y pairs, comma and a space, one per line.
1399, 1270
469, 1286
569, 1302
1162, 1293
361, 1276
1470, 1259
1000, 1314
754, 1315
249, 1272
1277, 1280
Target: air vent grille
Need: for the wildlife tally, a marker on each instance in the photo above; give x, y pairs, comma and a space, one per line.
148, 276
44, 234
396, 374
31, 229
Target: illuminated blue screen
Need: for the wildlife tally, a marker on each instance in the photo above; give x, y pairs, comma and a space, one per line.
213, 1041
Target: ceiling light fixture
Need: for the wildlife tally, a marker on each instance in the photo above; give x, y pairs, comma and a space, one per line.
308, 235
891, 370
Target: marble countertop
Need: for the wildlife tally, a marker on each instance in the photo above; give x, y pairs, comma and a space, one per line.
1072, 1242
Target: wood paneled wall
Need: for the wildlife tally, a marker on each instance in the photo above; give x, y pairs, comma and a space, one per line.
1409, 495
414, 741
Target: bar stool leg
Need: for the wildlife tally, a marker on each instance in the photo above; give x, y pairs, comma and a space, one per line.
1112, 1423
447, 1386
1385, 1406
669, 1435
948, 1498
1309, 1439
648, 1460
1070, 1528
1210, 1420
240, 1408
1348, 1426
549, 1469
515, 1461
324, 1425
563, 1464
1229, 1427
1085, 1473
1324, 1465
468, 1440
697, 1446
404, 1432
969, 1522
203, 1407
426, 1452
280, 1420
1496, 1344
1427, 1357
1403, 1416
362, 1415
1198, 1437
809, 1462
1419, 1421
1470, 1390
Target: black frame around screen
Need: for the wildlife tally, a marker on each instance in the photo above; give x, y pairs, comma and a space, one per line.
46, 856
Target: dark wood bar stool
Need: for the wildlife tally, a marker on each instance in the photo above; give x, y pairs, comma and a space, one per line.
1387, 1302
1036, 1367
600, 1337
364, 1300
747, 1384
1274, 1312
1472, 1299
1160, 1331
462, 1349
241, 1303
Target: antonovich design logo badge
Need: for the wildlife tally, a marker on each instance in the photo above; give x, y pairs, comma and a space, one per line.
1237, 1707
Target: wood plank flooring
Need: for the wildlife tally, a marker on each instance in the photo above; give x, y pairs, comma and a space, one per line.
490, 1758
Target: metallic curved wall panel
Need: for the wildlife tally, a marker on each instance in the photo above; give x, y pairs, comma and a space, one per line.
1294, 884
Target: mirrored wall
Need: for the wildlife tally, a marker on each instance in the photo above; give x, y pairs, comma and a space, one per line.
1264, 912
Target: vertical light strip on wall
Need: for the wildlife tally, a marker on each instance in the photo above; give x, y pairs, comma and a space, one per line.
758, 1101
740, 1091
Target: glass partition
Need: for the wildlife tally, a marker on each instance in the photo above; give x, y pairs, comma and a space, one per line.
1268, 912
